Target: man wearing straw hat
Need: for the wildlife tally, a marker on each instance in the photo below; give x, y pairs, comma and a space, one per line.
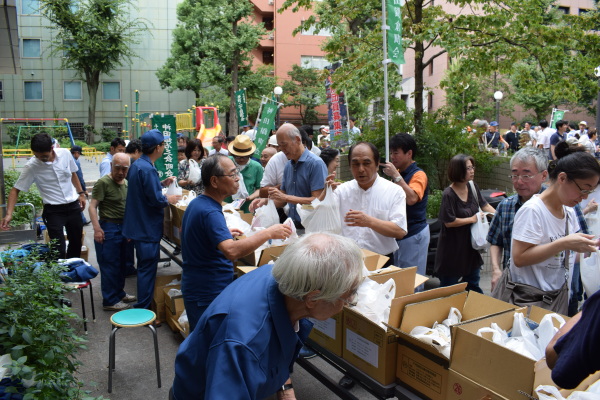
240, 151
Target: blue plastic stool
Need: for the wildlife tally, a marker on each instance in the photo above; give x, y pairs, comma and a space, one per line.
131, 318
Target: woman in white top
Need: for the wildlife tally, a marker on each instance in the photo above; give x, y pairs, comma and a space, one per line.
545, 229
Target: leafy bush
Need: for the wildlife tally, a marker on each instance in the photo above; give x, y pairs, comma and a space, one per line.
36, 330
22, 215
434, 202
27, 132
102, 146
108, 134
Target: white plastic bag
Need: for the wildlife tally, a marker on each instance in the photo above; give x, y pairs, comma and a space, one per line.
195, 172
242, 192
374, 300
234, 220
479, 229
593, 223
326, 217
547, 392
265, 216
590, 273
174, 189
439, 336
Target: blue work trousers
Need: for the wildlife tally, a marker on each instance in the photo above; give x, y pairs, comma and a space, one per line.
111, 260
148, 254
412, 252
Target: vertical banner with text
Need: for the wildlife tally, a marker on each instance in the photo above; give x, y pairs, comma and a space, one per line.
240, 107
265, 125
336, 112
557, 115
394, 39
167, 163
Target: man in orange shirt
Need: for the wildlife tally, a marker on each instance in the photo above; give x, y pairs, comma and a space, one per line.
404, 171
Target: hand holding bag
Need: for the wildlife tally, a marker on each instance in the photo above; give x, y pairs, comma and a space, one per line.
195, 172
479, 229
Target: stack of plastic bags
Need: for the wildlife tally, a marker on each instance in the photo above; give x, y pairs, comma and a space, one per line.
439, 334
374, 300
187, 199
526, 337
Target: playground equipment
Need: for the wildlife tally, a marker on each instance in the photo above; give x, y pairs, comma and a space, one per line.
15, 153
206, 128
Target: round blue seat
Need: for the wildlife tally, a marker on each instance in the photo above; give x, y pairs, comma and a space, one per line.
133, 317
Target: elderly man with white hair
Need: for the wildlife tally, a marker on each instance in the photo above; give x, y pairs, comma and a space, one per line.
246, 342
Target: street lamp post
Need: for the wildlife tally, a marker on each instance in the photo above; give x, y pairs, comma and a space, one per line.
498, 96
277, 91
597, 72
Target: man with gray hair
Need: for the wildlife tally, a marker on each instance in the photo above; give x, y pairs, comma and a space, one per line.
528, 171
249, 337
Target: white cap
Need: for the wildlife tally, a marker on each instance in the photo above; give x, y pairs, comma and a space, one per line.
583, 123
273, 141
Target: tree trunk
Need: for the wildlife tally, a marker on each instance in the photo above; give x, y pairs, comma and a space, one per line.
232, 125
92, 80
419, 56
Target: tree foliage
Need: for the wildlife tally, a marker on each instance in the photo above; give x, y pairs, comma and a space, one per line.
304, 91
486, 36
211, 48
94, 37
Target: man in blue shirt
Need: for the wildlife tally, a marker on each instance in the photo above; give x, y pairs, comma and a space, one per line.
144, 211
303, 177
557, 137
208, 248
249, 337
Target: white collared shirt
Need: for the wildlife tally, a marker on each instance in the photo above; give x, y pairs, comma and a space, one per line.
273, 175
384, 200
53, 179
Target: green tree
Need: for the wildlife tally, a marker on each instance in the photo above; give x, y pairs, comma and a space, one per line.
487, 36
305, 91
211, 46
94, 37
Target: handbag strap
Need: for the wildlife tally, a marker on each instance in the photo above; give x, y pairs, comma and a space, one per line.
567, 251
472, 185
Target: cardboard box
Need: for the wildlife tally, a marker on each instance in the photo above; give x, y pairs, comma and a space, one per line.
420, 365
173, 323
373, 349
462, 388
501, 370
373, 261
158, 301
173, 303
167, 225
159, 310
176, 219
258, 258
85, 253
328, 333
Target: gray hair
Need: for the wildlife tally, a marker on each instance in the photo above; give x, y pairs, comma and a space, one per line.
291, 131
529, 154
323, 261
211, 167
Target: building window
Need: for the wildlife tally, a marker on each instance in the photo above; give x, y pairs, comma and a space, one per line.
268, 22
564, 10
72, 90
583, 11
33, 90
314, 62
267, 57
32, 48
431, 68
115, 126
430, 102
68, 45
111, 90
30, 7
404, 98
77, 130
1, 91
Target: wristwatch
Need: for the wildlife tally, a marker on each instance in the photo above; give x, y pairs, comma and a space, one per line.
397, 179
285, 387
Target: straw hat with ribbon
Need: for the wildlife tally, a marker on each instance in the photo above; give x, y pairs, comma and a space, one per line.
242, 146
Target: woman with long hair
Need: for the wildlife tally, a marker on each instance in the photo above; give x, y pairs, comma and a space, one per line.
193, 151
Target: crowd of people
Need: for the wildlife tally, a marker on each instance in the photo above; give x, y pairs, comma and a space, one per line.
245, 328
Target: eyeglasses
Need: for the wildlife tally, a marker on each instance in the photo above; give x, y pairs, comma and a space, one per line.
524, 178
233, 175
471, 168
584, 191
241, 157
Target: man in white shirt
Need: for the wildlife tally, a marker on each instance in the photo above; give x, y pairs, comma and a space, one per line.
116, 146
54, 172
249, 131
217, 144
544, 137
372, 209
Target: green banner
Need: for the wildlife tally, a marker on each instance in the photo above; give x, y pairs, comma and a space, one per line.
240, 107
557, 116
394, 36
167, 163
265, 125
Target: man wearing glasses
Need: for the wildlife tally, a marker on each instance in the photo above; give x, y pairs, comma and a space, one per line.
528, 168
144, 211
240, 151
207, 244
